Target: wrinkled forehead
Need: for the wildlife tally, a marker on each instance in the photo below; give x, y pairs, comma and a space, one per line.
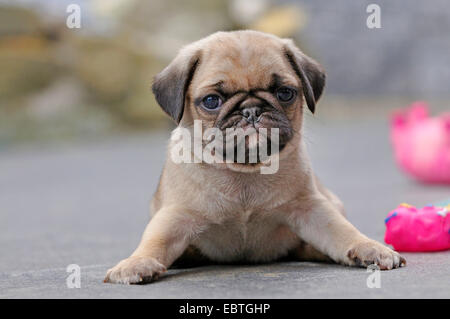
244, 64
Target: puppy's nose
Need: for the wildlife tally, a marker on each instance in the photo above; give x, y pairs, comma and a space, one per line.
251, 114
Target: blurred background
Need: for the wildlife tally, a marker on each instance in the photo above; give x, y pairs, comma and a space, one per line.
59, 83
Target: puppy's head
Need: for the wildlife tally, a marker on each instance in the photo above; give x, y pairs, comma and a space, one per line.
241, 79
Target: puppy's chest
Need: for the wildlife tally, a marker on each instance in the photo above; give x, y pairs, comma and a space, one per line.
246, 235
246, 223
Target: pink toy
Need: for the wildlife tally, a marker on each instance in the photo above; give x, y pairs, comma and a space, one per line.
422, 144
412, 229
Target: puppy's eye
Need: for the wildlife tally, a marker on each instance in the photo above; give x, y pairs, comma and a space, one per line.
212, 102
285, 94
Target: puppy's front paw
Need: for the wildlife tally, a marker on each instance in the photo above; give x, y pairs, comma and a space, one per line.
372, 252
135, 270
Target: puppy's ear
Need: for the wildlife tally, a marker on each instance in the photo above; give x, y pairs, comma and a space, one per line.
309, 71
171, 84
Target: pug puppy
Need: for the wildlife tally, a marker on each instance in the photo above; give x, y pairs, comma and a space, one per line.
229, 212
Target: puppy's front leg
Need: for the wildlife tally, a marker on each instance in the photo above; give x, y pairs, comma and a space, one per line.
324, 227
165, 238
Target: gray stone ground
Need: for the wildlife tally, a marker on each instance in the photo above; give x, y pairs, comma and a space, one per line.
87, 203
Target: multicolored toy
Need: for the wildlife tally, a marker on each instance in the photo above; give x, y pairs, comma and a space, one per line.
422, 144
412, 229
